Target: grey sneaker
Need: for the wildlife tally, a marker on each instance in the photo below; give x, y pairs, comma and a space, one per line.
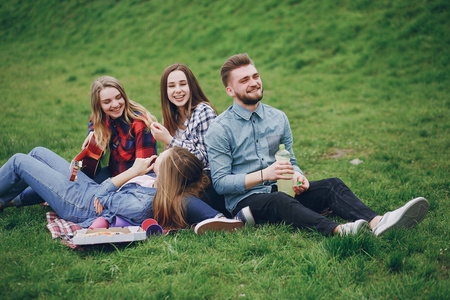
407, 216
359, 226
246, 216
218, 224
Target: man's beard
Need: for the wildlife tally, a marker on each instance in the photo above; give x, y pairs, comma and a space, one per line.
250, 99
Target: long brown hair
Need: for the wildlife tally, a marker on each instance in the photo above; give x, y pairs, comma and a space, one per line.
133, 110
169, 110
180, 174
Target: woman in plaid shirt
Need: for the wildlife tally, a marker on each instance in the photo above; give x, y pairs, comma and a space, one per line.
120, 125
187, 113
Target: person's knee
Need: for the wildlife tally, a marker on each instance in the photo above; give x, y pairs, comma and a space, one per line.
37, 150
334, 181
17, 159
18, 156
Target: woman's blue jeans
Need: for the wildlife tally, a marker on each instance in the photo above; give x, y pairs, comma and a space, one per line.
48, 175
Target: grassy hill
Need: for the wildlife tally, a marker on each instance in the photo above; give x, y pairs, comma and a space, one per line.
357, 79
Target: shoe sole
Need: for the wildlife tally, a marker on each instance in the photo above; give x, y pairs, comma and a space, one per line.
413, 214
218, 225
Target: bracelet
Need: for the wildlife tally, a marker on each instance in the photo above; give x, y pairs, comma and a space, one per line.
262, 179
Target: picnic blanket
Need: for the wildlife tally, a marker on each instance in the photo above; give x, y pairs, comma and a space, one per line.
60, 228
65, 230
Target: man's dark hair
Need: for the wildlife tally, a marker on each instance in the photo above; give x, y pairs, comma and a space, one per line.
234, 62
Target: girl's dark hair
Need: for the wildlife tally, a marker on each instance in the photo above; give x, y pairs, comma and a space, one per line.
169, 110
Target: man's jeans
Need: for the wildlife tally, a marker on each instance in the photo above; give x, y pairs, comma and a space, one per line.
304, 210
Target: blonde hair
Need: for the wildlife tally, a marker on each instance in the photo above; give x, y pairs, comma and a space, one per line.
133, 110
180, 175
169, 110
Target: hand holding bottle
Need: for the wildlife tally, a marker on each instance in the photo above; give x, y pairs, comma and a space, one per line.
279, 170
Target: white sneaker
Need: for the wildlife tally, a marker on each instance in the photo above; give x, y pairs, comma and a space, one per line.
246, 216
218, 224
356, 227
407, 216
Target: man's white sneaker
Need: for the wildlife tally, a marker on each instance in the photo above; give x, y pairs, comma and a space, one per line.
246, 216
359, 226
407, 216
218, 224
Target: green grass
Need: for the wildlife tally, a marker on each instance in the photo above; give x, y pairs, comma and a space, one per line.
357, 79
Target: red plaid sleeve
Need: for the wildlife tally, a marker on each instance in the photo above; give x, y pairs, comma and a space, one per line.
130, 143
145, 142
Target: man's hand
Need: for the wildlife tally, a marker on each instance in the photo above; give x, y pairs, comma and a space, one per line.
300, 188
276, 170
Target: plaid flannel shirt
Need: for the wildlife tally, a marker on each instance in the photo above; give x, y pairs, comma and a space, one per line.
128, 143
193, 138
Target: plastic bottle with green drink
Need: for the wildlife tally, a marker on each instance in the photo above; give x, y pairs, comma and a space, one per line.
284, 185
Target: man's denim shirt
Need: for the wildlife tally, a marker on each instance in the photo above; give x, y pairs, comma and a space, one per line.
239, 142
